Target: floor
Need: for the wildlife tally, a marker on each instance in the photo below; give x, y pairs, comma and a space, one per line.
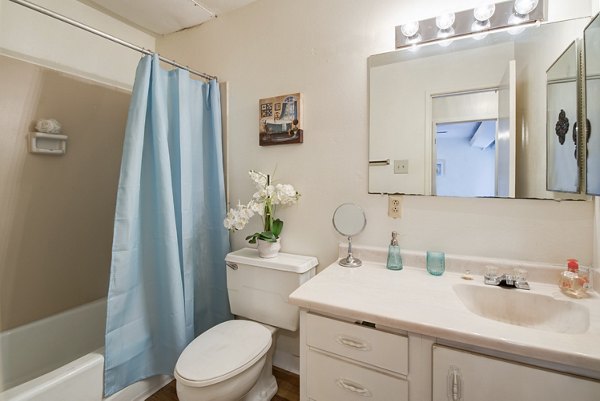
288, 383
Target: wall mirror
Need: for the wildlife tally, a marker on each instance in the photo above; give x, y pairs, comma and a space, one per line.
592, 88
562, 91
467, 119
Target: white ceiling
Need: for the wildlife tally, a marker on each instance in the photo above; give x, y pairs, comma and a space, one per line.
167, 16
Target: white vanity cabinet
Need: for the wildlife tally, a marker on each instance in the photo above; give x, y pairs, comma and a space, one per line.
464, 376
347, 361
417, 340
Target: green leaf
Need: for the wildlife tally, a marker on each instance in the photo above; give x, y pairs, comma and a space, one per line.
277, 227
268, 236
252, 238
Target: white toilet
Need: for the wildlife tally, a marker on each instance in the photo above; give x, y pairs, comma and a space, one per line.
233, 360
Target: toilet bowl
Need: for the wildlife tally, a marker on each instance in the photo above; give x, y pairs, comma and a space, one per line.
225, 364
233, 360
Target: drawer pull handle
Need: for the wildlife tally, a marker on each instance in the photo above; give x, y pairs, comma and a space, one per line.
353, 387
352, 343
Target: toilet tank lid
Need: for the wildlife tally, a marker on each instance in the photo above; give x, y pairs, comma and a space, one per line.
283, 261
222, 352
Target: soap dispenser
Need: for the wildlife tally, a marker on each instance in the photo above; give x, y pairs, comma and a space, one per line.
394, 260
571, 282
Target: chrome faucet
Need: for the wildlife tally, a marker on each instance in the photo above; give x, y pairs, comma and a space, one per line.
516, 279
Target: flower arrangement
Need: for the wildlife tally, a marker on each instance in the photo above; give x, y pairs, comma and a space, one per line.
263, 202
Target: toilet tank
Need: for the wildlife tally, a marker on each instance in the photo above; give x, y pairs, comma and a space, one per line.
259, 288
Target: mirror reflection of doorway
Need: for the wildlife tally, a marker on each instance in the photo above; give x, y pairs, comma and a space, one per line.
473, 141
466, 158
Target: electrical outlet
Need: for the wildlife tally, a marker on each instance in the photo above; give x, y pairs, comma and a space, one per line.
395, 206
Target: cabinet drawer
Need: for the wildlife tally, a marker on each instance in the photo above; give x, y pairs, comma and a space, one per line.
364, 344
331, 379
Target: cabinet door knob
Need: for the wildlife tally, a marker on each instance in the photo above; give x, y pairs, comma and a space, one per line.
353, 387
353, 343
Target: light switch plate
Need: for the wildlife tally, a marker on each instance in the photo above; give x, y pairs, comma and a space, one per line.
400, 166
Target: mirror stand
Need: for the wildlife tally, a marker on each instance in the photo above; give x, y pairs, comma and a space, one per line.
349, 220
350, 261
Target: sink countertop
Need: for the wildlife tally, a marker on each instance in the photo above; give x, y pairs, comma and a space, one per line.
417, 302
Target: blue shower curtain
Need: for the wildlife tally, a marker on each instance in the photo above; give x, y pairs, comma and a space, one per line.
167, 280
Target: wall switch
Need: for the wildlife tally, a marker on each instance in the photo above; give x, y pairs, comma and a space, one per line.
395, 206
400, 166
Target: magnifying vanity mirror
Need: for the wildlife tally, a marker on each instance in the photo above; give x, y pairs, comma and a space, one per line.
349, 220
467, 119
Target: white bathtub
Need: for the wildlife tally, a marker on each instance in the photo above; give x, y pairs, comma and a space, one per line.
60, 358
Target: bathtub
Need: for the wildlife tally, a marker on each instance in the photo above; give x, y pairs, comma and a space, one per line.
60, 358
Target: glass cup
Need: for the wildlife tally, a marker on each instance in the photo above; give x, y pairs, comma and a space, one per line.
436, 263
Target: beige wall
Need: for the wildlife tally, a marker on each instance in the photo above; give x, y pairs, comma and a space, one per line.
66, 245
57, 211
35, 37
320, 48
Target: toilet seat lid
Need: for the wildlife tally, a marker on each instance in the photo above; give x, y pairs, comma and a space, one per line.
222, 352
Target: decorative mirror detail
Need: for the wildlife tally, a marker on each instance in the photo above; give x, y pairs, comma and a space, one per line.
562, 127
349, 220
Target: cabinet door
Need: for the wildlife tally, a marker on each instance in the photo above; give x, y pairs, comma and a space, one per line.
464, 376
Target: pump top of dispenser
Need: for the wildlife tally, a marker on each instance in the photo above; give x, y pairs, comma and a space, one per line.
572, 265
394, 239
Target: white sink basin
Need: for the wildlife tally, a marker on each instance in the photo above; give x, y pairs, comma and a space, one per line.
524, 308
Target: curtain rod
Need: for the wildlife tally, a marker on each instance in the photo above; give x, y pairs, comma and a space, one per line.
104, 35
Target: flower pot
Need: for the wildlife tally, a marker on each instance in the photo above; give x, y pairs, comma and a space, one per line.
268, 249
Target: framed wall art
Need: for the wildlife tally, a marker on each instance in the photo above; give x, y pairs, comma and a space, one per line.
280, 120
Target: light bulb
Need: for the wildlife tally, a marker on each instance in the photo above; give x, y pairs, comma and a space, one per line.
484, 12
516, 20
444, 33
480, 36
445, 21
477, 26
446, 43
524, 7
410, 29
416, 38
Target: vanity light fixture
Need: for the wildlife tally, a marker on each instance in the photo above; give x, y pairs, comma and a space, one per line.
476, 22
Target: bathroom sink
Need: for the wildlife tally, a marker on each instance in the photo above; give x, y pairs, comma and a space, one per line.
524, 308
